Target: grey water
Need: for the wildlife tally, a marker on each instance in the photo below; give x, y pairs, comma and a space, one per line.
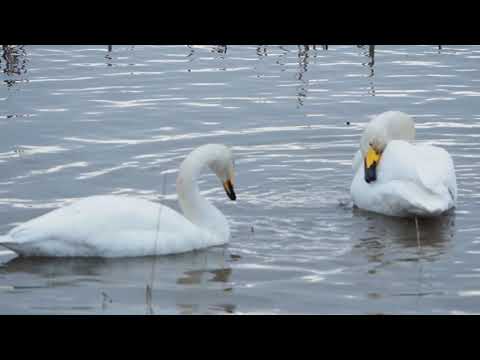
77, 121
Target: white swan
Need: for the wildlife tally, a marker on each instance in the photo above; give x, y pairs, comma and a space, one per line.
394, 176
120, 226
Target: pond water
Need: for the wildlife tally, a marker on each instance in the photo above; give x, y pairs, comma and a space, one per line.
77, 121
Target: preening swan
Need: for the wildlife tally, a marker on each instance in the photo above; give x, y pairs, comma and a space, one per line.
394, 176
120, 226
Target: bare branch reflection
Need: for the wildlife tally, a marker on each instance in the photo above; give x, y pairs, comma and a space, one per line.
369, 63
262, 50
15, 58
109, 55
303, 61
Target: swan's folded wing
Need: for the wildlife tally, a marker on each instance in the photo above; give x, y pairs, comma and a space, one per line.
427, 168
412, 180
436, 171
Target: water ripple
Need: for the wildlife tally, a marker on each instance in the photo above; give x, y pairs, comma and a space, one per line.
85, 120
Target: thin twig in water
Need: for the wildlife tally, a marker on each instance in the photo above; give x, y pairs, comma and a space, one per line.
420, 269
418, 233
149, 289
148, 300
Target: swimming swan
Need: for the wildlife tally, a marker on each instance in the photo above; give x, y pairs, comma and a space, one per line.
395, 177
121, 226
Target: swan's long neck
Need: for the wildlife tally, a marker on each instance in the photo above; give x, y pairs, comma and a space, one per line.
195, 207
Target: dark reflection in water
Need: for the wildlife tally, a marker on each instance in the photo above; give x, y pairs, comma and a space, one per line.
193, 270
384, 238
262, 51
189, 309
109, 55
303, 55
388, 242
111, 119
369, 54
303, 58
198, 276
15, 58
191, 50
220, 49
194, 264
383, 231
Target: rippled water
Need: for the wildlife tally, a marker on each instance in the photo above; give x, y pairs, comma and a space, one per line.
81, 120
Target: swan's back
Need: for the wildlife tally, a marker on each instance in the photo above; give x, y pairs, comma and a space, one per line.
109, 226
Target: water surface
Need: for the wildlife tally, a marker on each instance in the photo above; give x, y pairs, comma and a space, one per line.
77, 121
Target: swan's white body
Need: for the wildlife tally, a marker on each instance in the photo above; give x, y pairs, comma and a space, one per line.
412, 180
120, 226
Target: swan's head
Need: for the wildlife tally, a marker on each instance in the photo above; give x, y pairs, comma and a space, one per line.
390, 125
223, 166
219, 160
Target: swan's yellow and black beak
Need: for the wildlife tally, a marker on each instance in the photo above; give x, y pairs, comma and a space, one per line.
371, 162
228, 186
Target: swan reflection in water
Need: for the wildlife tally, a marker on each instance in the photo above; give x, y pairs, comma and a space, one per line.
390, 247
380, 232
192, 281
